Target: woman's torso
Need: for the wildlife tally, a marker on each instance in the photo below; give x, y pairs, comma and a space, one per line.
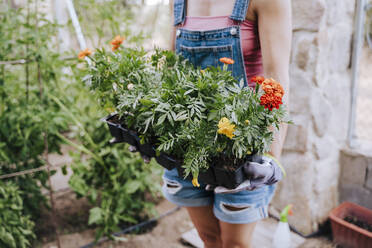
213, 15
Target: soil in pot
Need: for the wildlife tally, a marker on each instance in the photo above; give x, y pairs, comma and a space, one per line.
360, 223
230, 171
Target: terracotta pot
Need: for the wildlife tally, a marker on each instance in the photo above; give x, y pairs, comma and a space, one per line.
347, 234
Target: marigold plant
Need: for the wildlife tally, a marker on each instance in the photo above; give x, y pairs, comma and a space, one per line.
199, 116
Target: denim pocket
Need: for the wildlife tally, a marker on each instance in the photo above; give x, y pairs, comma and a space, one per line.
205, 56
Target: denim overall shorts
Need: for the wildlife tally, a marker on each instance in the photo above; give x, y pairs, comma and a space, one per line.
205, 48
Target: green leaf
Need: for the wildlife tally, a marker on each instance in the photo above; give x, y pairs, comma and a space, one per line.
132, 186
95, 215
212, 115
161, 119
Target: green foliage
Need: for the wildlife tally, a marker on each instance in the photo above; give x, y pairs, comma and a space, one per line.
16, 228
29, 120
117, 183
178, 107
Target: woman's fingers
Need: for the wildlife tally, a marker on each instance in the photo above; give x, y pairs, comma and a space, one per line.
255, 170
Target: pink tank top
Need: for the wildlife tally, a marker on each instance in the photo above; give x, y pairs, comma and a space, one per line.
249, 39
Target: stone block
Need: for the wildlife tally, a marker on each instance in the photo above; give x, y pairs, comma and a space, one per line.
327, 173
339, 98
344, 8
297, 136
305, 50
300, 86
308, 14
369, 176
324, 146
356, 194
321, 112
339, 47
353, 169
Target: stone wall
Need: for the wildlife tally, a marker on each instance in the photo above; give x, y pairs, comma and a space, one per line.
320, 102
356, 177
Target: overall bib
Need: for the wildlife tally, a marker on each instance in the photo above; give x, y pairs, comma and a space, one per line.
205, 48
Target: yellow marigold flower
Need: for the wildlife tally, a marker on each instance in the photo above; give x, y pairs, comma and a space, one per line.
116, 42
227, 61
249, 152
85, 52
246, 122
226, 128
195, 182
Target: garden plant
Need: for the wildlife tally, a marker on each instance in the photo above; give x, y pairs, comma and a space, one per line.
195, 116
41, 107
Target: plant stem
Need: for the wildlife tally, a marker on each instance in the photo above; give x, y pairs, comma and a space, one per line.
73, 117
82, 149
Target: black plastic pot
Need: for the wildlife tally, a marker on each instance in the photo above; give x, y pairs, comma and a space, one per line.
129, 136
167, 162
120, 133
233, 177
114, 128
229, 178
207, 176
147, 149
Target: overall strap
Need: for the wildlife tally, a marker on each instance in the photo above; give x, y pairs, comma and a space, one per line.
179, 11
240, 10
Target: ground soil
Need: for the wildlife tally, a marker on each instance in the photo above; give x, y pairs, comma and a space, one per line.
72, 216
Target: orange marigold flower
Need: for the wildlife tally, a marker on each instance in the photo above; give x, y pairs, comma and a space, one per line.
227, 61
270, 86
116, 42
271, 101
85, 52
257, 79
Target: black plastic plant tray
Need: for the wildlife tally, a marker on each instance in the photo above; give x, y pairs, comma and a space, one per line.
148, 150
229, 179
207, 176
129, 136
114, 129
120, 133
166, 161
